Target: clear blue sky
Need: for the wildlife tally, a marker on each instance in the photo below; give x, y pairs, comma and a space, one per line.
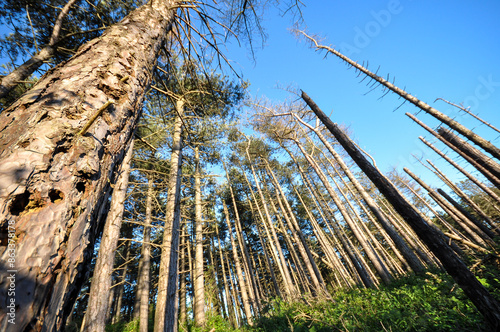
436, 49
448, 49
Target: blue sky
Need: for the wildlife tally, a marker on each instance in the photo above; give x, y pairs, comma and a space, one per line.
446, 49
436, 49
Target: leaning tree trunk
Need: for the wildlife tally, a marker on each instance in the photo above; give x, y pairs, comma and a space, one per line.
480, 141
169, 246
474, 290
54, 175
101, 281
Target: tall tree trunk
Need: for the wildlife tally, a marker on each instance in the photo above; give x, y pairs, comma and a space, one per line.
474, 290
183, 284
227, 293
120, 289
323, 213
304, 250
479, 166
145, 266
454, 164
246, 257
97, 306
169, 246
198, 278
459, 218
53, 180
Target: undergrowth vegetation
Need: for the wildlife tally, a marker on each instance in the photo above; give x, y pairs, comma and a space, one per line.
429, 302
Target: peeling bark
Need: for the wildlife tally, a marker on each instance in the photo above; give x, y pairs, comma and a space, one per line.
53, 182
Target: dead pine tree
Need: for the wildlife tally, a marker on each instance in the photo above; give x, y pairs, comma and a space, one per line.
480, 141
475, 291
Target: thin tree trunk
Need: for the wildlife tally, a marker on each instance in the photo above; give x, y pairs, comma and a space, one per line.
97, 306
351, 262
467, 215
229, 303
54, 181
169, 246
198, 278
246, 257
486, 172
183, 283
401, 245
144, 271
449, 160
474, 290
467, 225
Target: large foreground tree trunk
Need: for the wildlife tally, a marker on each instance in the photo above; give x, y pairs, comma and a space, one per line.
474, 290
53, 176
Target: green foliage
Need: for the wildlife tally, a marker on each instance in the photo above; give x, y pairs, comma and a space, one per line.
420, 303
132, 326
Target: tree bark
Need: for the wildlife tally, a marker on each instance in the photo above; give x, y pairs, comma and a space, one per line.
97, 306
465, 197
368, 248
198, 278
481, 185
53, 181
401, 245
144, 270
169, 253
474, 290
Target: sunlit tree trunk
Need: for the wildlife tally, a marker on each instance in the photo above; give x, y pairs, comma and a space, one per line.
368, 248
465, 197
227, 295
271, 234
97, 306
169, 254
199, 280
145, 266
